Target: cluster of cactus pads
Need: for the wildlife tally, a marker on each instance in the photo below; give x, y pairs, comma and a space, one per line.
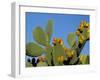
44, 53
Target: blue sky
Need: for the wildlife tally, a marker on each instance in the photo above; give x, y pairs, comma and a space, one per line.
63, 25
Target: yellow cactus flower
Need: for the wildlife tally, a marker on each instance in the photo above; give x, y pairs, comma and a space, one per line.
70, 53
77, 33
80, 28
58, 40
82, 24
86, 25
81, 39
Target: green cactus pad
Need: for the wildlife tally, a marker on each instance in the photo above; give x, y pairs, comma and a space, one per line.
49, 54
71, 39
40, 36
32, 49
49, 29
58, 51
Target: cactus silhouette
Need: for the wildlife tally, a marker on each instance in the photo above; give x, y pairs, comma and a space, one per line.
57, 53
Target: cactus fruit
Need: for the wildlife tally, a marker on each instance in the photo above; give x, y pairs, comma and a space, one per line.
57, 41
78, 33
70, 54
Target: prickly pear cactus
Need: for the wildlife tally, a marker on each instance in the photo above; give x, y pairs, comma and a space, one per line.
57, 53
83, 33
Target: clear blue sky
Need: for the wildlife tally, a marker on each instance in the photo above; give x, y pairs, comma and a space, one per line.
63, 25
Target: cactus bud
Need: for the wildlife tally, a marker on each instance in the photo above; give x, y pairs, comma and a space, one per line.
77, 33
60, 41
